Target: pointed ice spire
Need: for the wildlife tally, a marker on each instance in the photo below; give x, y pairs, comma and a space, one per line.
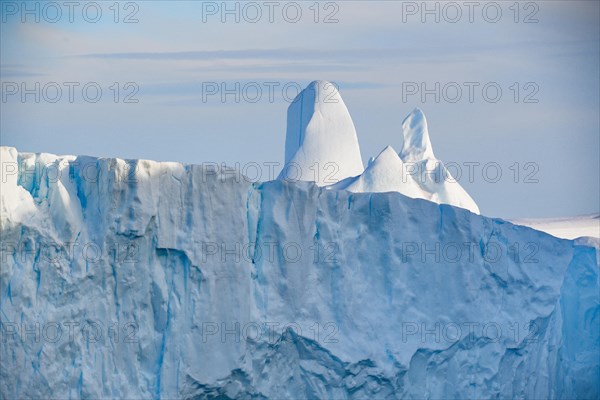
414, 172
416, 145
321, 143
436, 182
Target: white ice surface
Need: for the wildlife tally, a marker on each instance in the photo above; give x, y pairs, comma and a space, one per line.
321, 143
566, 227
414, 172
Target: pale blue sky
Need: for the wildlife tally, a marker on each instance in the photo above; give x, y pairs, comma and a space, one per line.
371, 53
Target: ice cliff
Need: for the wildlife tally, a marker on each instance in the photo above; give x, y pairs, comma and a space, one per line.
182, 281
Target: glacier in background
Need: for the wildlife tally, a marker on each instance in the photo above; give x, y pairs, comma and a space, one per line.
142, 279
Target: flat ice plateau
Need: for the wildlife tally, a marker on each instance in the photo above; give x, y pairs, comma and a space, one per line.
567, 227
138, 279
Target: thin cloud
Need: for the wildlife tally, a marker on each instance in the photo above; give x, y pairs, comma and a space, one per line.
275, 54
401, 55
17, 71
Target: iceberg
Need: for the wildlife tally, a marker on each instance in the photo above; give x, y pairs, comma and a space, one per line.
142, 279
414, 171
321, 143
436, 182
385, 173
321, 146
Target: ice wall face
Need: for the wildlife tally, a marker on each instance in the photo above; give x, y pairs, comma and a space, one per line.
321, 143
355, 295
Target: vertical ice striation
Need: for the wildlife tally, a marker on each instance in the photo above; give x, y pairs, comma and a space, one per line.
387, 297
321, 143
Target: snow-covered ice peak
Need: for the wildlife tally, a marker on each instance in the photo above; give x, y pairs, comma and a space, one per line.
414, 171
386, 173
320, 131
387, 155
416, 145
432, 176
